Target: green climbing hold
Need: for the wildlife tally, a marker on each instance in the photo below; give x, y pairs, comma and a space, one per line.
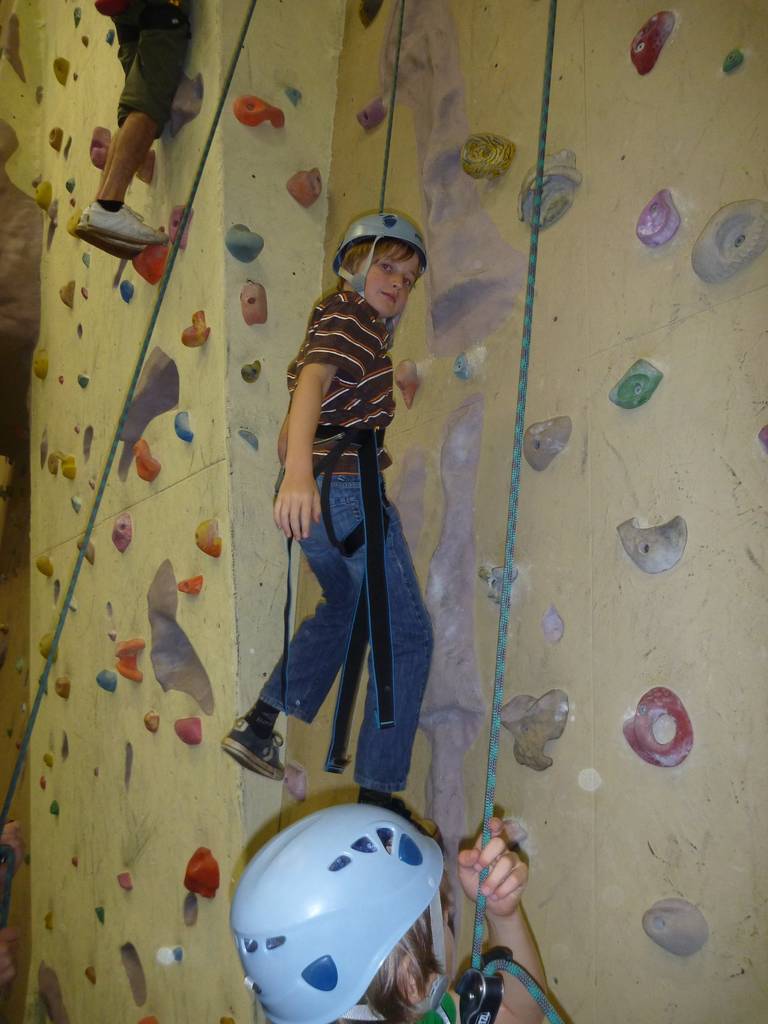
55, 808
83, 380
77, 15
69, 185
19, 665
636, 386
734, 59
100, 914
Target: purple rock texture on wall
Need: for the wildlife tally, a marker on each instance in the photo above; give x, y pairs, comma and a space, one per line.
21, 242
474, 275
174, 659
454, 707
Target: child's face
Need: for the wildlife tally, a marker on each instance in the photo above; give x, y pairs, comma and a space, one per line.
389, 282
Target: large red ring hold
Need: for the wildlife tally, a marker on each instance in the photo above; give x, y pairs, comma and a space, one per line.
639, 734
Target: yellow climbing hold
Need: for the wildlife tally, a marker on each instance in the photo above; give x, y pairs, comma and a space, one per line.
61, 70
40, 364
68, 467
48, 758
45, 646
49, 920
44, 195
73, 222
486, 155
44, 565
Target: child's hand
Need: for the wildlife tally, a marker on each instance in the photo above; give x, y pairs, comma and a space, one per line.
507, 878
296, 505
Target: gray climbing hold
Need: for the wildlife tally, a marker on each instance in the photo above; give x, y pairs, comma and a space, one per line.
655, 548
677, 926
533, 723
561, 179
732, 239
492, 574
543, 441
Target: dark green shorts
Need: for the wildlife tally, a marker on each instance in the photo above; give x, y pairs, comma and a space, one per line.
152, 51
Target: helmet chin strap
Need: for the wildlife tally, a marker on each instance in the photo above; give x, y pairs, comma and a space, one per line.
357, 281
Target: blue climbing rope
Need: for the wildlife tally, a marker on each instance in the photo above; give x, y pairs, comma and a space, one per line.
162, 288
530, 983
514, 495
391, 111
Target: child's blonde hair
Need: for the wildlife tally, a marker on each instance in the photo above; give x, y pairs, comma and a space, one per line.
409, 965
386, 248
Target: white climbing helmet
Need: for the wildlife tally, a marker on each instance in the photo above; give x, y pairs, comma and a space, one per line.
374, 227
319, 908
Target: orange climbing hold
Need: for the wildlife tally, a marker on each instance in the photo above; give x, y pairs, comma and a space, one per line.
252, 111
149, 1020
150, 262
198, 333
90, 973
202, 875
61, 70
126, 652
146, 465
191, 586
152, 721
62, 686
207, 537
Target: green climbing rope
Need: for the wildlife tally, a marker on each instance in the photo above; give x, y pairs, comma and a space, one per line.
391, 111
162, 288
514, 489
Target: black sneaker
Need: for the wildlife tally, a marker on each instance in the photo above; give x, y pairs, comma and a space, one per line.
253, 752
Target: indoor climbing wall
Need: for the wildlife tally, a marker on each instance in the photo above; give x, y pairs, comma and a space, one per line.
634, 700
138, 821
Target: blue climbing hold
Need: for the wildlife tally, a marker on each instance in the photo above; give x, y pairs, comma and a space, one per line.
182, 427
461, 367
83, 380
126, 291
242, 243
293, 94
107, 680
86, 259
110, 37
249, 437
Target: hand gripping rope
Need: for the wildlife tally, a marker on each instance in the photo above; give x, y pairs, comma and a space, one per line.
162, 288
509, 549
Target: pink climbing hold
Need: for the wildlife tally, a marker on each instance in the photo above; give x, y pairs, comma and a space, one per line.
253, 303
147, 465
125, 881
646, 731
407, 379
373, 114
252, 111
174, 222
198, 333
649, 41
100, 141
189, 731
762, 437
305, 186
295, 781
122, 532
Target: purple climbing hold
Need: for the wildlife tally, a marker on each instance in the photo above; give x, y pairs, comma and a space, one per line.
762, 437
372, 114
100, 140
122, 532
659, 220
677, 926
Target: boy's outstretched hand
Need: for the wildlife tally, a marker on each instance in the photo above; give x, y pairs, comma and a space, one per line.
507, 877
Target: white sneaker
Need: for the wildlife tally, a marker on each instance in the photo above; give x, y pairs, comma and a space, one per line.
124, 226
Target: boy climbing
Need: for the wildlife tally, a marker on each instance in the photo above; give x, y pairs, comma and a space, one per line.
341, 401
339, 917
153, 37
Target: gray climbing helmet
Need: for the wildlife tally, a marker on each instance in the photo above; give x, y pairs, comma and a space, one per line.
373, 228
319, 908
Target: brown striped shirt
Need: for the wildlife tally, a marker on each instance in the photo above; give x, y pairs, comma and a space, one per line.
346, 331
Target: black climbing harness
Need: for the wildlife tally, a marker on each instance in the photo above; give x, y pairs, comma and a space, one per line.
371, 620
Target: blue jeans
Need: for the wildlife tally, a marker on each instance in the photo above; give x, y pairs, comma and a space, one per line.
317, 650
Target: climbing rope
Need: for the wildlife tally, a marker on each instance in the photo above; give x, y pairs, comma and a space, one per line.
391, 111
514, 491
535, 990
162, 288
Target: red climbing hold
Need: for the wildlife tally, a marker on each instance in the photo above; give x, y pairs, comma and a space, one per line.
650, 40
125, 881
645, 731
305, 186
191, 586
202, 874
146, 465
112, 7
127, 652
252, 111
189, 731
150, 263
